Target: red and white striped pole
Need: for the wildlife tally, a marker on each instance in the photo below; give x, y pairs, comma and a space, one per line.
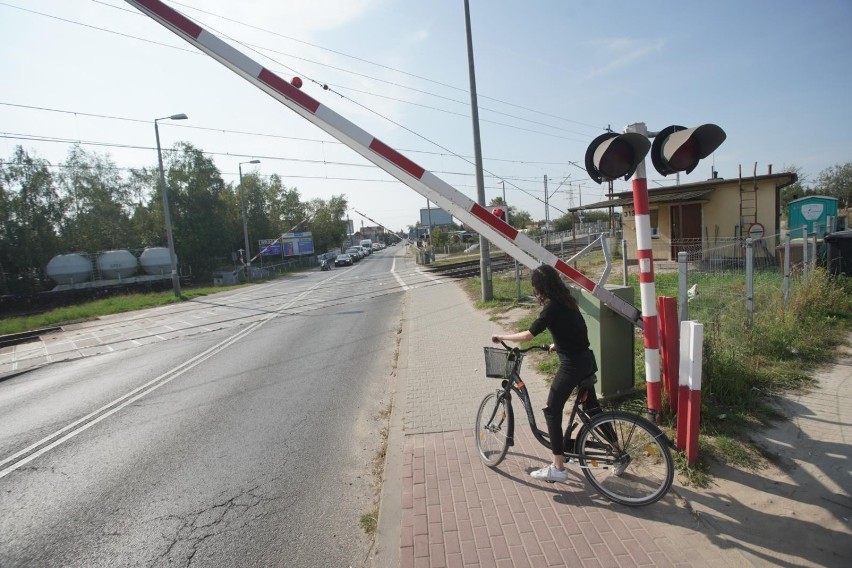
692, 345
647, 290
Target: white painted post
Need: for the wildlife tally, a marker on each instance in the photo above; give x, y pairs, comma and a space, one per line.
683, 299
787, 268
749, 281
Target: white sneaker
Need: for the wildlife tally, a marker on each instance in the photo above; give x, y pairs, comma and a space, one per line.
551, 474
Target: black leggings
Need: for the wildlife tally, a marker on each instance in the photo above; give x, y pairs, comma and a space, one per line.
563, 385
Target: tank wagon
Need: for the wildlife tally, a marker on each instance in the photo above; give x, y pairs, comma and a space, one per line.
107, 269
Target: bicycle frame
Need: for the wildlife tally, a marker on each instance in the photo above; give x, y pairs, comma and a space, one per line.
516, 384
607, 443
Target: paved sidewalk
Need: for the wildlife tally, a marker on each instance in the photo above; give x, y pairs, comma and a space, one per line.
441, 507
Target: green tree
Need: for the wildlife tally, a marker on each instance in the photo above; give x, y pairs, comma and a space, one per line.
257, 199
795, 190
836, 181
287, 209
30, 216
146, 213
98, 216
440, 238
564, 223
199, 211
327, 224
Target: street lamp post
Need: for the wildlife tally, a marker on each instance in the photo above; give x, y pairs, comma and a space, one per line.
245, 223
167, 216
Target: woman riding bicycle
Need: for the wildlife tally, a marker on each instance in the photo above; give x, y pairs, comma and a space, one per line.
561, 316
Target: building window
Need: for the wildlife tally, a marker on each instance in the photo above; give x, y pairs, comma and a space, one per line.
654, 217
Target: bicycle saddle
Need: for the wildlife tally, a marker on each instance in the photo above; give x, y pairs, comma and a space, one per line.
588, 381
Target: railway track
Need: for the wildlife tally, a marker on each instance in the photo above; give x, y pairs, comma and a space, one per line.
500, 262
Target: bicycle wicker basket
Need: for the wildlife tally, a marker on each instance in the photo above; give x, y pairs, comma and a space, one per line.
500, 363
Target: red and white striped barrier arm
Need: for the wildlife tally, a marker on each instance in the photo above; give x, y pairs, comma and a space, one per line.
509, 239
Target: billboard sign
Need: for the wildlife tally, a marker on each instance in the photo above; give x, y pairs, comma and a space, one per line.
435, 216
288, 244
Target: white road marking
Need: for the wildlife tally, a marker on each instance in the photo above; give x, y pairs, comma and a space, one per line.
397, 276
84, 423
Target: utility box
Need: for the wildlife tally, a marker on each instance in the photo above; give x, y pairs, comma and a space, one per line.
611, 338
839, 253
813, 211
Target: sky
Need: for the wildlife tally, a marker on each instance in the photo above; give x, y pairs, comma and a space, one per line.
550, 77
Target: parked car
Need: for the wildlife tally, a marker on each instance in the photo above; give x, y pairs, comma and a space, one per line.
356, 252
343, 259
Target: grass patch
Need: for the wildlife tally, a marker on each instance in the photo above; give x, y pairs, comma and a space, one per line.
116, 304
370, 522
744, 367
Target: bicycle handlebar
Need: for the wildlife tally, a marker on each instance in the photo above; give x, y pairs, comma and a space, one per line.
542, 347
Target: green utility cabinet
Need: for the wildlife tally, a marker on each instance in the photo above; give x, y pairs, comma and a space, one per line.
611, 338
813, 211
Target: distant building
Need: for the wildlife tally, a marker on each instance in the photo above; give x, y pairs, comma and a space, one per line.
693, 217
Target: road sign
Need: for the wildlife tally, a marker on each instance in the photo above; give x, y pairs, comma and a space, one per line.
756, 231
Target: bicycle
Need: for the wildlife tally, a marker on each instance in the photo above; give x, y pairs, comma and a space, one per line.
624, 457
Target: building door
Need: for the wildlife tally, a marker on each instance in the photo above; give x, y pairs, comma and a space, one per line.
686, 230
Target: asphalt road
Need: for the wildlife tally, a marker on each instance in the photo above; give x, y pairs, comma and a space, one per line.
246, 446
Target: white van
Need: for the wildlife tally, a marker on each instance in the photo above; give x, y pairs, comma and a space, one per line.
367, 244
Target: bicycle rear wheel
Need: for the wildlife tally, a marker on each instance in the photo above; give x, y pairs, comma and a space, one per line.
626, 458
494, 421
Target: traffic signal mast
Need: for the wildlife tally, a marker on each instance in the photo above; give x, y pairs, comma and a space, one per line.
675, 149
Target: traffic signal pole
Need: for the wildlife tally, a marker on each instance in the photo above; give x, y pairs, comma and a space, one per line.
647, 285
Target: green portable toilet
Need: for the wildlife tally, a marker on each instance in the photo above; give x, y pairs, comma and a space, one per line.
813, 211
611, 339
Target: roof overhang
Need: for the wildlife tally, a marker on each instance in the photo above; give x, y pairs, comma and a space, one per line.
665, 197
686, 192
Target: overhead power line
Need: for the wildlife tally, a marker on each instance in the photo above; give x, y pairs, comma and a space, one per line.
260, 49
261, 134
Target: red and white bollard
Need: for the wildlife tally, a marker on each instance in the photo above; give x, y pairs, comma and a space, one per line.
689, 398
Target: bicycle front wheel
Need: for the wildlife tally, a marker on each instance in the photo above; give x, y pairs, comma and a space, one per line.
626, 458
493, 428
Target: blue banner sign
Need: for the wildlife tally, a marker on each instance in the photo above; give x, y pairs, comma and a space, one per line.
288, 244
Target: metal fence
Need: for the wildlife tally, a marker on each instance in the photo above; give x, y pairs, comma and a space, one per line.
757, 274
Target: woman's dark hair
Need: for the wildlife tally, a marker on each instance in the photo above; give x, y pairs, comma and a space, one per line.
548, 285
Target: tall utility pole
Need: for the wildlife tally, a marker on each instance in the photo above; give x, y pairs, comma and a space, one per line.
546, 214
484, 257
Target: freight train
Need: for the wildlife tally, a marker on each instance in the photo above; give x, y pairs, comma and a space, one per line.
80, 277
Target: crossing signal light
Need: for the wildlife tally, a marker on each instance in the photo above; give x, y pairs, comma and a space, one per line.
499, 212
679, 149
611, 156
